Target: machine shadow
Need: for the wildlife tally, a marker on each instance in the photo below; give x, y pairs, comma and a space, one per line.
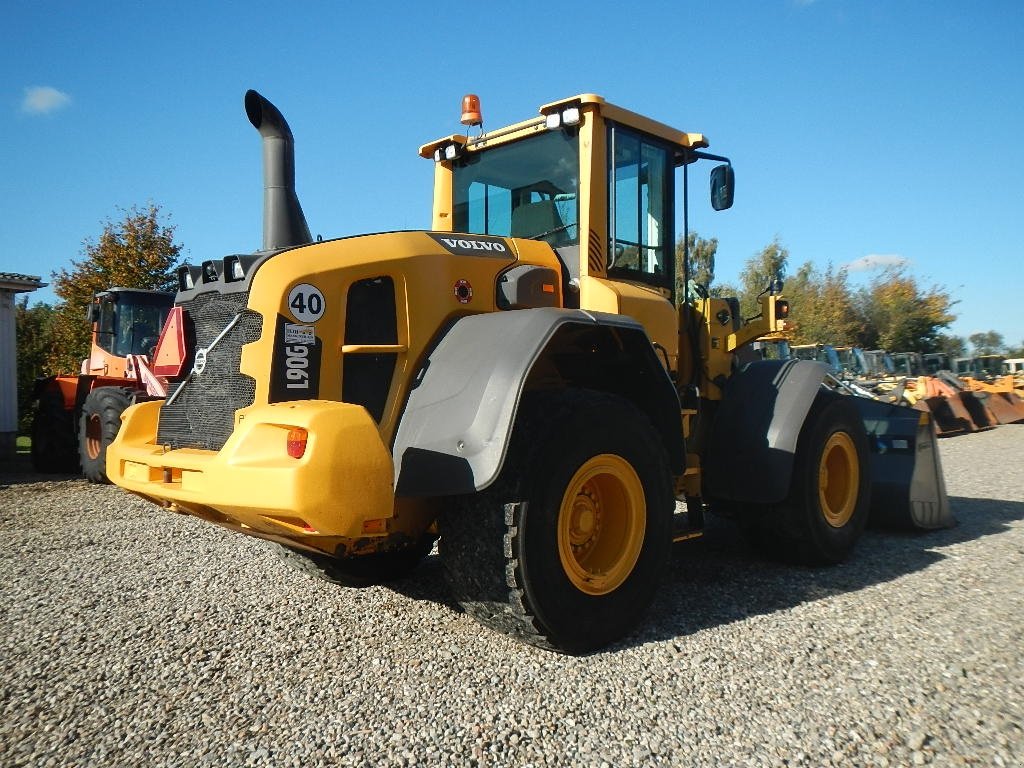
718, 580
18, 470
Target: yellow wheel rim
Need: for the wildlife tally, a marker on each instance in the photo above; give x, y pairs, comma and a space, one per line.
838, 479
601, 524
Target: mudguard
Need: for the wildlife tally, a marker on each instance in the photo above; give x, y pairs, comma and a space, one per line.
755, 431
455, 429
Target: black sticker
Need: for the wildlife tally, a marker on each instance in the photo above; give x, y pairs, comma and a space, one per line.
295, 370
474, 245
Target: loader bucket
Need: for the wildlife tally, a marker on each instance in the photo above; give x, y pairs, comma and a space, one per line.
907, 487
949, 414
976, 404
1006, 407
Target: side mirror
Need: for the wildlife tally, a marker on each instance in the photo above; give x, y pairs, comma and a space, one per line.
723, 186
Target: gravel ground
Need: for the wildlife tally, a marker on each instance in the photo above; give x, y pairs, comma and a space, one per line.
131, 636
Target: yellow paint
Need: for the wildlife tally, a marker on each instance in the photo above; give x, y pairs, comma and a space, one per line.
641, 302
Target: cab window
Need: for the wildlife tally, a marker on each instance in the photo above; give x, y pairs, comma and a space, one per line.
524, 189
640, 238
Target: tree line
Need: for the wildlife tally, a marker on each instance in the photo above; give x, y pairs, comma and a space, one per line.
892, 312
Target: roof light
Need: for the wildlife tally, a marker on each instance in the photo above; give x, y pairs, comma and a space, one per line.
552, 121
185, 280
571, 116
233, 269
471, 114
209, 272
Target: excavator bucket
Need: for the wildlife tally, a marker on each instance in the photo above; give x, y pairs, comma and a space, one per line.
976, 404
949, 415
907, 486
1005, 407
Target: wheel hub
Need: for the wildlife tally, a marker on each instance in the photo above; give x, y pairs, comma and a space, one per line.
586, 521
93, 435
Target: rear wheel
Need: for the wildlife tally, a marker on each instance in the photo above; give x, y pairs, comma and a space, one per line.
566, 548
827, 507
53, 435
98, 426
358, 571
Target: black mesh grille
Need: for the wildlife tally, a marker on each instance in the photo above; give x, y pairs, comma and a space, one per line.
203, 414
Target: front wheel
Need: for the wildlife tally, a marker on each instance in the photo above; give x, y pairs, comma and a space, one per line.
98, 426
827, 507
566, 549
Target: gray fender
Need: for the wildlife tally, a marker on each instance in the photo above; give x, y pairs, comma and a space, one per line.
755, 430
454, 432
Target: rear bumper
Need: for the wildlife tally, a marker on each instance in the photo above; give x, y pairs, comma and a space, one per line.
343, 480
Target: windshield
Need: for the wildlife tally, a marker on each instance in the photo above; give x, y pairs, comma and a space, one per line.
524, 189
132, 324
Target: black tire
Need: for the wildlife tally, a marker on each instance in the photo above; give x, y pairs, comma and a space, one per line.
98, 426
820, 524
54, 443
518, 555
360, 571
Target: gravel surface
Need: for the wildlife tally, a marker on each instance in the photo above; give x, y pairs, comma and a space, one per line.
131, 636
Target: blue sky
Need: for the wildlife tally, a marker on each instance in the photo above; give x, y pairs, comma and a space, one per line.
857, 129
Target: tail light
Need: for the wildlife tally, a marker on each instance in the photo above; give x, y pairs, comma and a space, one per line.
297, 437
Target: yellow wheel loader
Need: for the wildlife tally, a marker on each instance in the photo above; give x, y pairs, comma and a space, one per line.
517, 382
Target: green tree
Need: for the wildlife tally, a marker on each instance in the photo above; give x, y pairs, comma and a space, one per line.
987, 343
823, 307
34, 332
900, 316
702, 262
760, 269
136, 252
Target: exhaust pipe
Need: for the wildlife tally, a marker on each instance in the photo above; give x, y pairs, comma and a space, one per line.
284, 225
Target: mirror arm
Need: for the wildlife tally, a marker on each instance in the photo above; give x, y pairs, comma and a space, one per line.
708, 156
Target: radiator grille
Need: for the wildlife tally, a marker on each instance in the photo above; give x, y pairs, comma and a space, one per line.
203, 414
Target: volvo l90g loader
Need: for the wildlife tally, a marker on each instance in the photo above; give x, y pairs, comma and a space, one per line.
517, 381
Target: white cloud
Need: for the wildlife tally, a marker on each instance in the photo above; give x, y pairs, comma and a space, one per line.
876, 261
42, 99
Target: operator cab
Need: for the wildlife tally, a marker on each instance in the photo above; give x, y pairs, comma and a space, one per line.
128, 320
587, 177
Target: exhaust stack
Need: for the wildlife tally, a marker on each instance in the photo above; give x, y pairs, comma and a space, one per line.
284, 225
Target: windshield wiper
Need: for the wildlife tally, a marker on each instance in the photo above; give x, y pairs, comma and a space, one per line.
551, 231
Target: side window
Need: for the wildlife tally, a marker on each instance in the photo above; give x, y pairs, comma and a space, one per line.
640, 208
105, 327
